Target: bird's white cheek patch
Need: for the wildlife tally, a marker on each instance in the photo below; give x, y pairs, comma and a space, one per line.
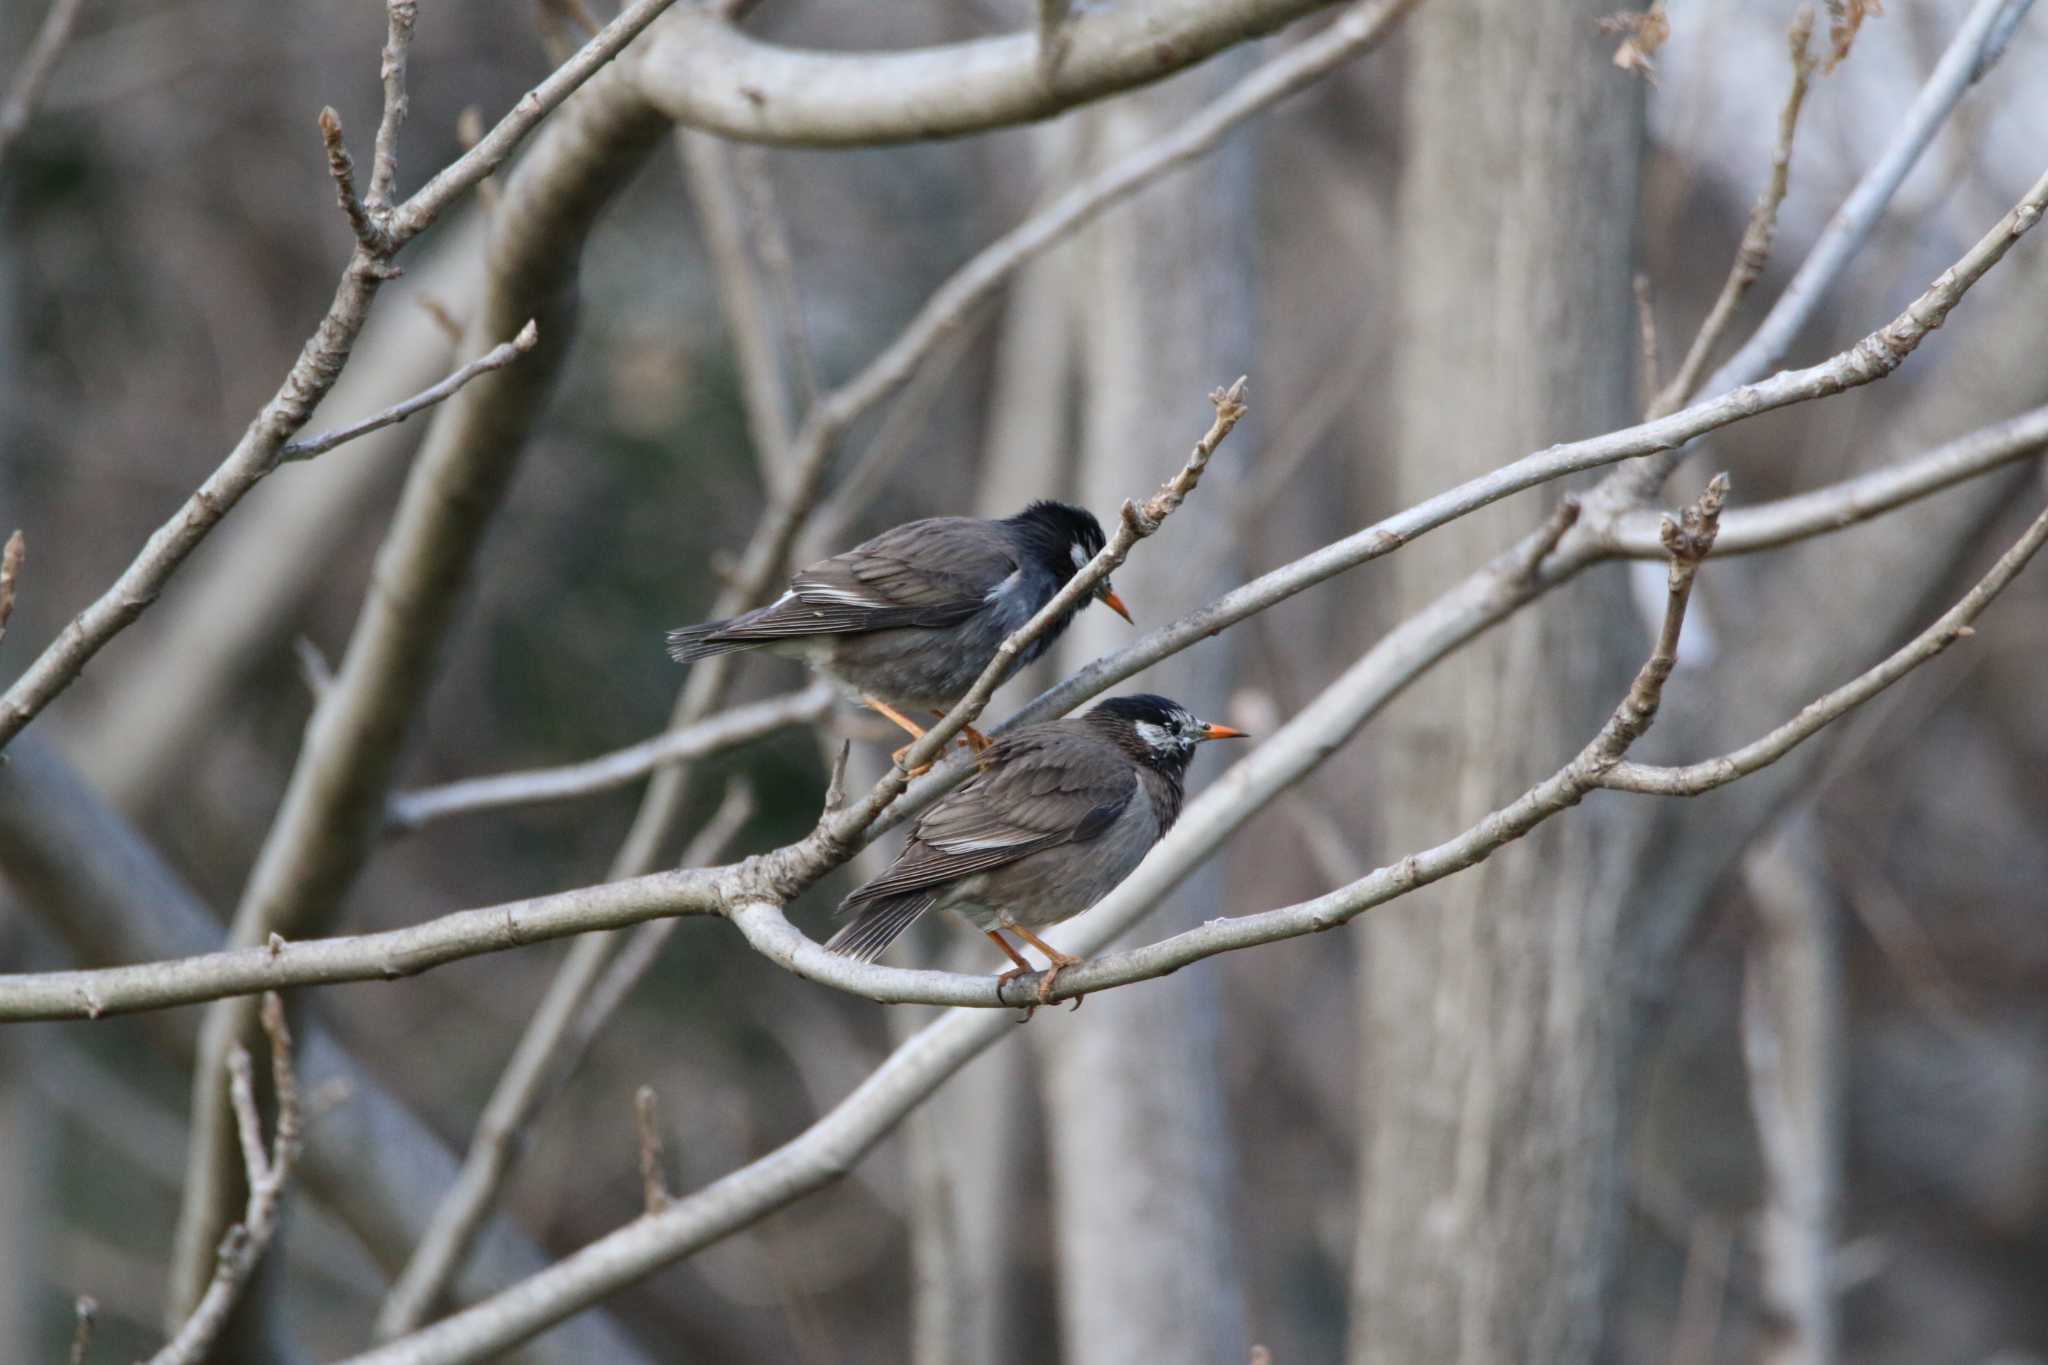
1081, 556
1155, 736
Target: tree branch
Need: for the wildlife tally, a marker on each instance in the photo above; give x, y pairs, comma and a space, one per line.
1755, 250
702, 71
334, 804
409, 811
35, 71
1694, 778
497, 358
319, 364
400, 16
1970, 54
247, 1240
87, 874
1788, 520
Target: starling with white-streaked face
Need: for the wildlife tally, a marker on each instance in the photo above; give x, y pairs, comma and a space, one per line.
1057, 815
907, 621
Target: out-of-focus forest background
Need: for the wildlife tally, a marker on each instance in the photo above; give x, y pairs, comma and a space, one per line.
168, 235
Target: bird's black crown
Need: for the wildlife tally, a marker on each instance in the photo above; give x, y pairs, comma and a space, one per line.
1145, 706
1054, 531
1152, 729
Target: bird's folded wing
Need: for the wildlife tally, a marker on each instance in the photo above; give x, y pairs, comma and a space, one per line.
927, 574
1041, 790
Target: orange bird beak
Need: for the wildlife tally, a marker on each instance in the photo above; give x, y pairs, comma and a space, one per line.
1224, 732
1116, 604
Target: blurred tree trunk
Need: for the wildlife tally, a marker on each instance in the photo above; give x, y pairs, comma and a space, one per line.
1493, 1028
1138, 1136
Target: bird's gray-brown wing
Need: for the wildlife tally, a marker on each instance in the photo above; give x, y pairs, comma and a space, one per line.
1046, 786
1043, 787
931, 573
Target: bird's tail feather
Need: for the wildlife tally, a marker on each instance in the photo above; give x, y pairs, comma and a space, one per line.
877, 924
687, 644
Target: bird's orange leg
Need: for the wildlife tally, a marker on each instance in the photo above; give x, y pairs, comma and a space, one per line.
976, 740
883, 708
1060, 962
1023, 968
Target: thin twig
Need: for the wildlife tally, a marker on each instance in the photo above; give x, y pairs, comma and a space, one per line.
342, 168
311, 377
417, 213
399, 18
408, 811
1962, 64
497, 358
10, 569
1694, 778
246, 1241
35, 71
1755, 250
647, 1118
1354, 31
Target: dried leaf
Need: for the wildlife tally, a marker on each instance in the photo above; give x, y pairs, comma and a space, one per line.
1844, 18
1643, 32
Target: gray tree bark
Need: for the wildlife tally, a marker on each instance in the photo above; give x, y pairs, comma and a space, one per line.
1493, 1038
1139, 1142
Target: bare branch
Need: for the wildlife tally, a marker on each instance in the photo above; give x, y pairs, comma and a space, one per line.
1963, 63
647, 1118
399, 18
342, 167
246, 1241
1354, 31
497, 358
1954, 624
334, 804
319, 364
1755, 250
644, 946
35, 71
1769, 525
702, 71
10, 569
416, 214
409, 811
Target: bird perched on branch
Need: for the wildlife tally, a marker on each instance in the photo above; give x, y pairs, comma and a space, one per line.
907, 621
1057, 815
